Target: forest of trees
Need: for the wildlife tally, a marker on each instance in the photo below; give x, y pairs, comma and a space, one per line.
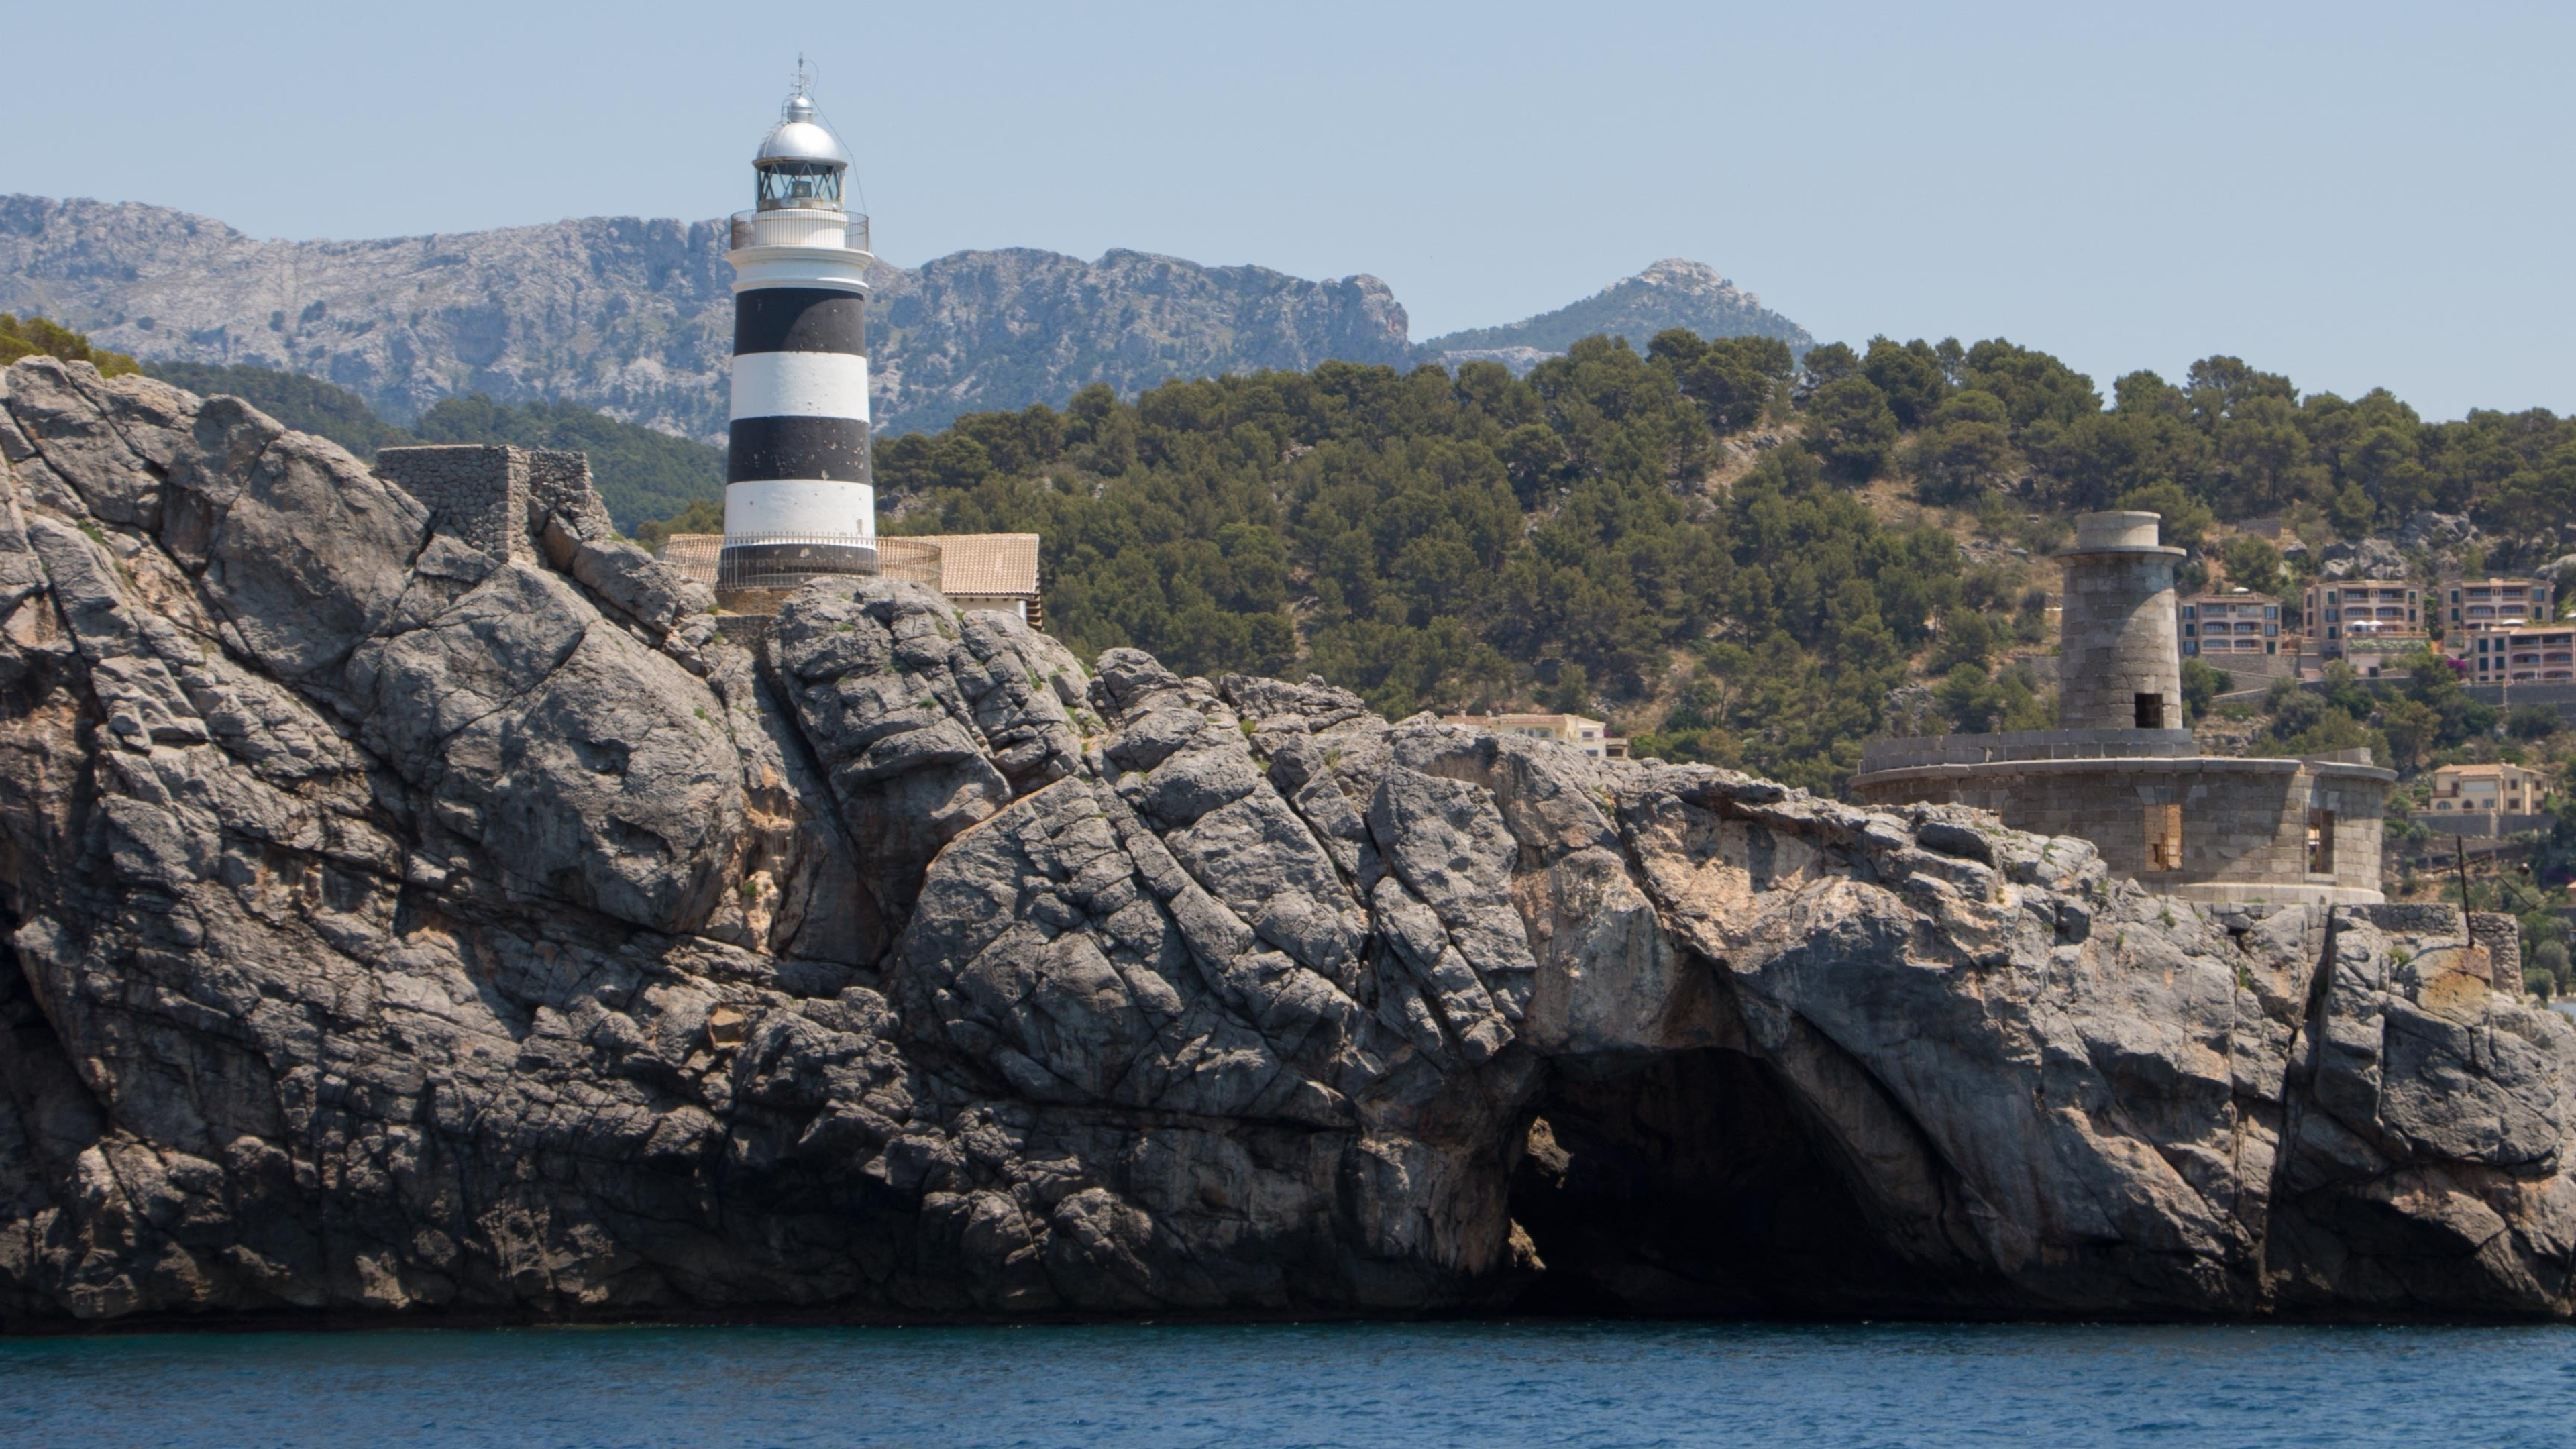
2237, 441
1459, 542
1470, 541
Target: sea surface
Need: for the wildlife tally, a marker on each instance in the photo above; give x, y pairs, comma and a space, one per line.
1250, 1387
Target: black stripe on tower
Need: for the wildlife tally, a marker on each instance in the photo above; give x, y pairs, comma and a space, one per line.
799, 319
831, 448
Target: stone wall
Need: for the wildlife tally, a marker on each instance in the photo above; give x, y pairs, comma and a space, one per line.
475, 494
2102, 744
559, 482
491, 497
2500, 936
2256, 671
2479, 824
2436, 942
2244, 823
2360, 806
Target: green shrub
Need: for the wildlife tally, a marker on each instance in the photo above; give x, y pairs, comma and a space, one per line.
33, 336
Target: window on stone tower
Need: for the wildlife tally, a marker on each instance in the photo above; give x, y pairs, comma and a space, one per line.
2164, 837
2321, 842
2151, 711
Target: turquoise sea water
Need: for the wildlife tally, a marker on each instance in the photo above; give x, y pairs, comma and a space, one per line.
1250, 1387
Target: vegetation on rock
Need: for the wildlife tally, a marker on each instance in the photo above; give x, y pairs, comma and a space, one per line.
1459, 542
33, 336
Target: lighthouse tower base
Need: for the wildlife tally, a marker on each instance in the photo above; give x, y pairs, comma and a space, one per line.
758, 584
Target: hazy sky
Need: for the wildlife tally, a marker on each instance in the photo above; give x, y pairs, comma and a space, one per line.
2356, 194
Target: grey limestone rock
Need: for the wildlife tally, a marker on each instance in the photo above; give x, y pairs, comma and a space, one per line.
393, 928
2371, 558
2426, 531
634, 315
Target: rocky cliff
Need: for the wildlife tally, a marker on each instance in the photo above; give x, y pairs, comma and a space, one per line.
398, 928
635, 317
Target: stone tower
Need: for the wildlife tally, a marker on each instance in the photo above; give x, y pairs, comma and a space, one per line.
2118, 664
799, 494
2123, 771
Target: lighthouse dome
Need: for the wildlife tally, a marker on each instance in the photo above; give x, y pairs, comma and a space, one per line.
801, 136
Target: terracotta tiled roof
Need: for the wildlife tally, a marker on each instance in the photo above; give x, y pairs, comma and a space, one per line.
2496, 771
987, 564
694, 554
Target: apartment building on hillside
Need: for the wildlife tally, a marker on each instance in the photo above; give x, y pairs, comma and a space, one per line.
2239, 622
2516, 656
2382, 612
2493, 603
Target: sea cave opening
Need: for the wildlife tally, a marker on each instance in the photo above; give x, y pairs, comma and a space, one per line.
1695, 1184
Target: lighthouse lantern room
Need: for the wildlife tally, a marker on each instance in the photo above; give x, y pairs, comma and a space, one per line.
799, 500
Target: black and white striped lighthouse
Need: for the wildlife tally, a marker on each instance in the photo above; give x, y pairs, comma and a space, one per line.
798, 494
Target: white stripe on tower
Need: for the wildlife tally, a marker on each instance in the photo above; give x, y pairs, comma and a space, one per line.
807, 506
800, 385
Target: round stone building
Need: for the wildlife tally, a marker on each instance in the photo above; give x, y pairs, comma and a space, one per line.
2122, 770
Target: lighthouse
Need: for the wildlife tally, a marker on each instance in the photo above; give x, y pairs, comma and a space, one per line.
799, 499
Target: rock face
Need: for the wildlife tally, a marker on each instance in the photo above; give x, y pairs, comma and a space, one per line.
635, 317
394, 927
2371, 558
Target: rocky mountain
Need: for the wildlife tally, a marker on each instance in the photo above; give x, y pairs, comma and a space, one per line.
635, 317
409, 917
1671, 293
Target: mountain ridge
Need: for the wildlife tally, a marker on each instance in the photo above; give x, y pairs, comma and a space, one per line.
632, 315
1674, 292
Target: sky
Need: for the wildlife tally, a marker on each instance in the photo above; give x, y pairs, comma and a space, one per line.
2358, 195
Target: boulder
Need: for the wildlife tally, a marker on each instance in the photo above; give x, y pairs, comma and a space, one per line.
2370, 558
2426, 531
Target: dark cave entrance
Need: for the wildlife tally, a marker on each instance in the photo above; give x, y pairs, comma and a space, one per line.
1695, 1185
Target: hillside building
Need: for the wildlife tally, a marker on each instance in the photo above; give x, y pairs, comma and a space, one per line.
2493, 603
2239, 622
2489, 790
2123, 772
2386, 616
1591, 736
2517, 656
